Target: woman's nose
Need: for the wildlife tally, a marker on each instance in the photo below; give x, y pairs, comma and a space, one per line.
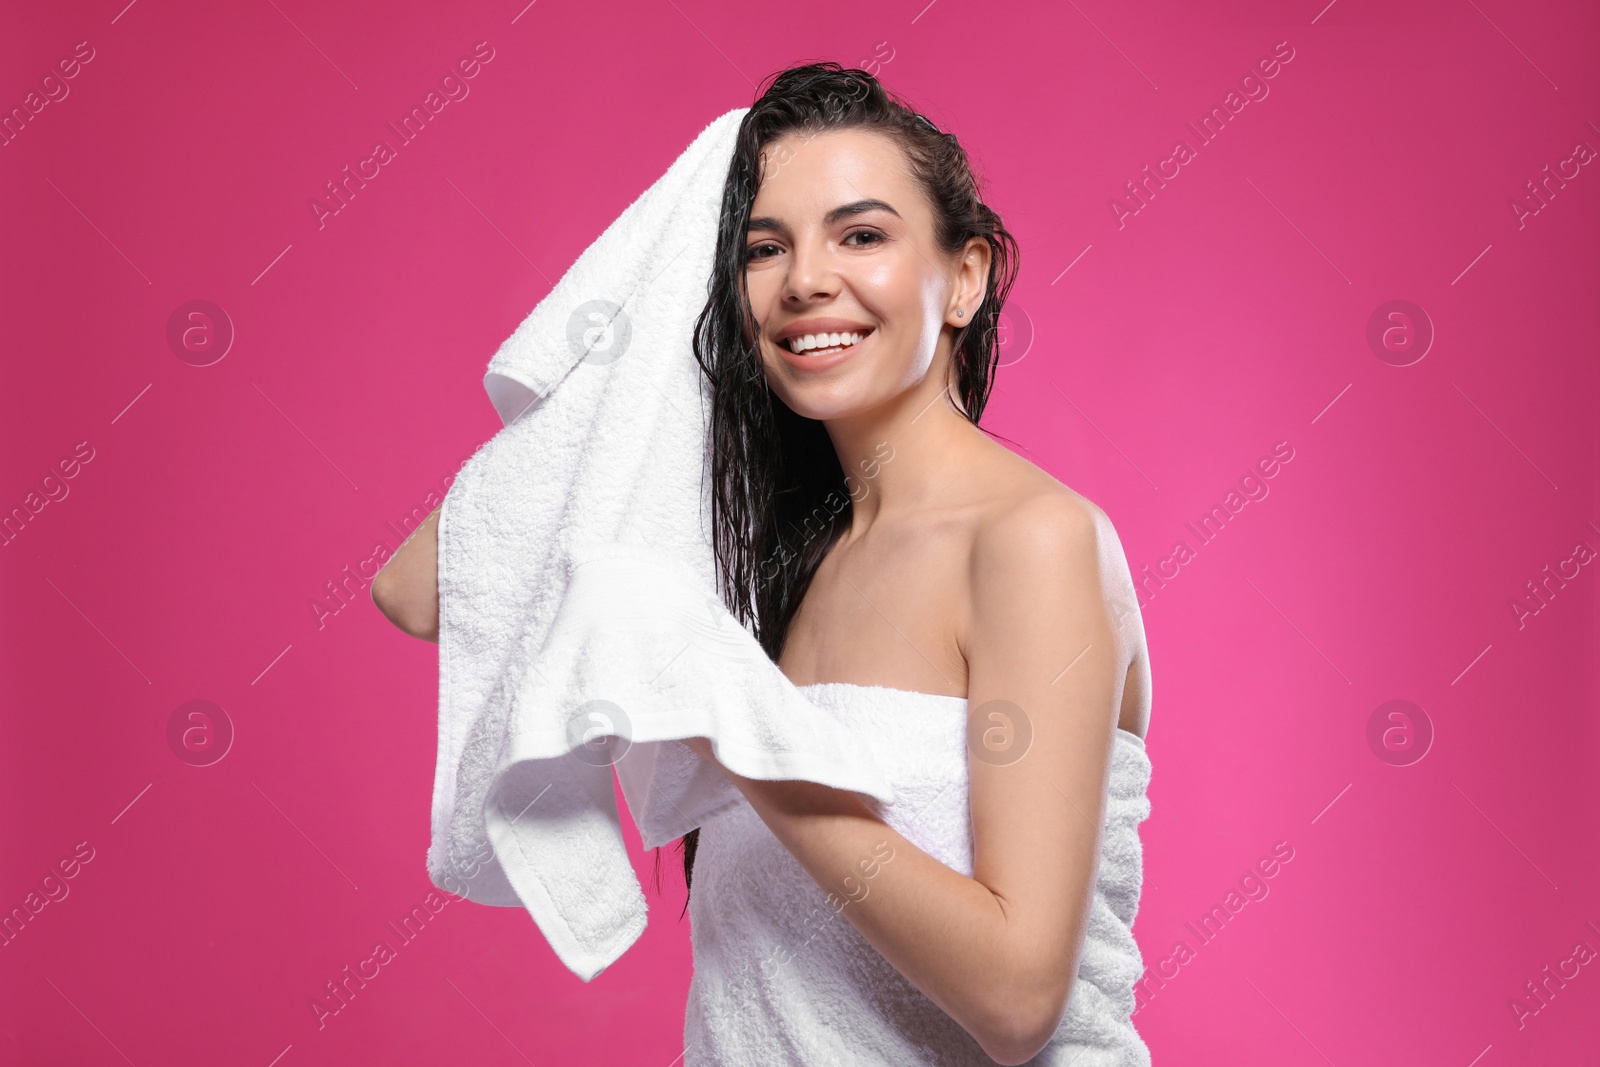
811, 272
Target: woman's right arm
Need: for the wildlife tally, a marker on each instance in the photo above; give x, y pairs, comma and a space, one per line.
406, 590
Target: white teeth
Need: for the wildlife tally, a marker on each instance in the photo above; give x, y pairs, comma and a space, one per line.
823, 340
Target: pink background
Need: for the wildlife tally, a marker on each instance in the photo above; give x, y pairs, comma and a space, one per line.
1227, 315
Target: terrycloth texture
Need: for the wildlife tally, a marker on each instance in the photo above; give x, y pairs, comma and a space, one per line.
781, 977
577, 596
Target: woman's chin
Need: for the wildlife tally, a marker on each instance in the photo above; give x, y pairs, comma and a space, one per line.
815, 399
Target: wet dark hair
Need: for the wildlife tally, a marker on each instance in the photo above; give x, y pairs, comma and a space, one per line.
779, 497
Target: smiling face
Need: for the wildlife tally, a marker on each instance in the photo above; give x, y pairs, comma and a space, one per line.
841, 241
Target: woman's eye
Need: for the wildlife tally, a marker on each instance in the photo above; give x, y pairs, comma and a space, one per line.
761, 251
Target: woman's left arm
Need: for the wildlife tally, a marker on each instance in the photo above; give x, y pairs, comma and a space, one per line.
1046, 661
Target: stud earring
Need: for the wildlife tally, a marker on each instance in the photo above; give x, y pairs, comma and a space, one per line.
959, 313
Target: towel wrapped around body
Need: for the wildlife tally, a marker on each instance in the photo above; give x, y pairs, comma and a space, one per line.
784, 979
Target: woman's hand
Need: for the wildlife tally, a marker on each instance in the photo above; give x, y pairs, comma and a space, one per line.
406, 590
702, 747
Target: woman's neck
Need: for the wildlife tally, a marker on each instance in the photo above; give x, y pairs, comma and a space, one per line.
905, 456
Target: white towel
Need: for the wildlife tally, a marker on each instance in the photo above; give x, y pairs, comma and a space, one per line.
783, 977
577, 596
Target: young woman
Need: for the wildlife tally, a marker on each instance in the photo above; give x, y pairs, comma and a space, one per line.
975, 615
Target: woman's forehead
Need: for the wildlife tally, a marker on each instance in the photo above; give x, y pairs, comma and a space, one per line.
806, 176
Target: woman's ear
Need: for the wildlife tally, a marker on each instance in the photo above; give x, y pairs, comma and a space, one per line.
975, 262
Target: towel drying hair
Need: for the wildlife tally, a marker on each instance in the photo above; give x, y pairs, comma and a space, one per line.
779, 496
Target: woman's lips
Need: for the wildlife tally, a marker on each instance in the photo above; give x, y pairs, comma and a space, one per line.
811, 361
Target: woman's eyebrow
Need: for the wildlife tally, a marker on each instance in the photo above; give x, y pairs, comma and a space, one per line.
859, 207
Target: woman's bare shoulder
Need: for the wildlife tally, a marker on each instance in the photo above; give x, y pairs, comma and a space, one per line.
1030, 517
1021, 497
